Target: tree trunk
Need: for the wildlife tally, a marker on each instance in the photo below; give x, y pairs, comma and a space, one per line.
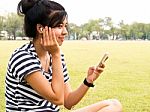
14, 34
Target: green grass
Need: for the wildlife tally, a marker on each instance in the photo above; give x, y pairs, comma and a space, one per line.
126, 76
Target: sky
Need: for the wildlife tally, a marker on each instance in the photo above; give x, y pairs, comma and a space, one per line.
81, 11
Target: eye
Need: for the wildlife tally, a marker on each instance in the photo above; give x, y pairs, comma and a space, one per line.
60, 26
66, 25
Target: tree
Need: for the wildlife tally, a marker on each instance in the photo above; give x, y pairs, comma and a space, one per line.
124, 30
1, 23
2, 19
97, 25
137, 30
108, 26
147, 31
13, 24
74, 31
91, 26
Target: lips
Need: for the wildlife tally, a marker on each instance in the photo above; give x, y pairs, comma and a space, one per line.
62, 38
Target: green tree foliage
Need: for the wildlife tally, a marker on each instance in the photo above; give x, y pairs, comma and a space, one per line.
104, 28
13, 24
124, 30
74, 31
1, 26
1, 23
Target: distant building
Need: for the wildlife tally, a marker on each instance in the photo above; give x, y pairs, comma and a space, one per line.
3, 35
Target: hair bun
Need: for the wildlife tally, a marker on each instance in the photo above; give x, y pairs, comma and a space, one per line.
25, 5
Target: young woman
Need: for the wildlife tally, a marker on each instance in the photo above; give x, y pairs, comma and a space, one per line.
37, 79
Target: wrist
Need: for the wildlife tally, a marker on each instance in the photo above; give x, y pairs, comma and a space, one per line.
89, 80
56, 54
88, 84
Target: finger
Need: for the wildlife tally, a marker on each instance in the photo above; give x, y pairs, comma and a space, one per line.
53, 35
42, 39
101, 65
97, 73
99, 69
50, 34
46, 39
44, 36
92, 68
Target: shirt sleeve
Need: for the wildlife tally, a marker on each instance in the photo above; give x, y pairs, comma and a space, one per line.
64, 66
22, 64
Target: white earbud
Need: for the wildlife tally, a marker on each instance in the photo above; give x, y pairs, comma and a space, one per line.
41, 29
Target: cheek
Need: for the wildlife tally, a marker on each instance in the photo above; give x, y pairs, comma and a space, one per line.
57, 32
57, 35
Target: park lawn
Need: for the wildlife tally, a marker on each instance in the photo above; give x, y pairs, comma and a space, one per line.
126, 76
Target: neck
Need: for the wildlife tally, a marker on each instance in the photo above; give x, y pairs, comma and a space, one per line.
39, 48
43, 55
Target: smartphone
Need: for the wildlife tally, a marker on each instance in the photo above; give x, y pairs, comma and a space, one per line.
104, 58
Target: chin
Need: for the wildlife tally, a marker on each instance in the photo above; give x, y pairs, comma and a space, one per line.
60, 43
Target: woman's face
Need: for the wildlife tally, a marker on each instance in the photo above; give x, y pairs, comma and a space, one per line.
61, 32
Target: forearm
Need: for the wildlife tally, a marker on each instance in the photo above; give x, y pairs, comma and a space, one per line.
57, 77
75, 96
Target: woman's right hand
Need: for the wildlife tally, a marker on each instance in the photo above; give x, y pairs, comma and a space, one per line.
49, 41
94, 72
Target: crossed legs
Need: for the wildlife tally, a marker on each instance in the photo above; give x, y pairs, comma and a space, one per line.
111, 105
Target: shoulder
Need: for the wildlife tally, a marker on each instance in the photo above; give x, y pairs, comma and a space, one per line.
22, 56
23, 62
23, 52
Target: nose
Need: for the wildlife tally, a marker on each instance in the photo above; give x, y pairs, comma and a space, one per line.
65, 31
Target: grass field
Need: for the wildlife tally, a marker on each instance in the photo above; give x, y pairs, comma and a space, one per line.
126, 76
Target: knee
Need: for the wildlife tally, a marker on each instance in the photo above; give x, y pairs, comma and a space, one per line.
117, 105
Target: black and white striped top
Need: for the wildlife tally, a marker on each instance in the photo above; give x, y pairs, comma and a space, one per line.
20, 97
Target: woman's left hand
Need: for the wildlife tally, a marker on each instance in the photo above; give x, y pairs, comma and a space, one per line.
94, 73
49, 41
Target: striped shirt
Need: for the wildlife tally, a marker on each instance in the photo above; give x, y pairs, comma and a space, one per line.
19, 94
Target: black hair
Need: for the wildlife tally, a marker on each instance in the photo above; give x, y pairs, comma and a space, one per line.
44, 12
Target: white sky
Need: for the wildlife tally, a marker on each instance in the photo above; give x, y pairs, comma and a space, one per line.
80, 11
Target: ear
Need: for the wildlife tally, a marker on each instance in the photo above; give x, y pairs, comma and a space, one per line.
39, 28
